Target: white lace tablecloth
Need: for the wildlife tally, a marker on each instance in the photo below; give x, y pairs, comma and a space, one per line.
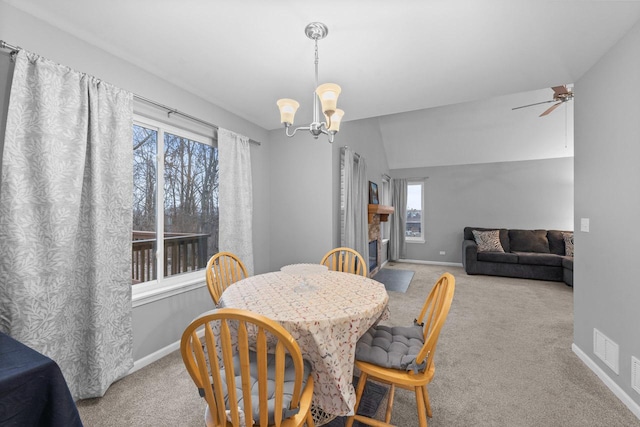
326, 314
304, 269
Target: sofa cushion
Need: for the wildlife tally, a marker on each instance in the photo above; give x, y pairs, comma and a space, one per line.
567, 262
488, 241
536, 258
568, 243
506, 257
529, 241
556, 241
504, 235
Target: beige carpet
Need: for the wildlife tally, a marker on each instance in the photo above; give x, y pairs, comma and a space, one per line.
504, 359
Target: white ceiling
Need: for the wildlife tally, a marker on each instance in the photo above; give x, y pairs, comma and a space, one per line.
389, 57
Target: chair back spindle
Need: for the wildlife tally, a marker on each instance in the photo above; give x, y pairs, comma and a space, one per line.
345, 260
239, 348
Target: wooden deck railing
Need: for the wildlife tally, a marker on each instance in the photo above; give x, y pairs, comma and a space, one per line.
183, 252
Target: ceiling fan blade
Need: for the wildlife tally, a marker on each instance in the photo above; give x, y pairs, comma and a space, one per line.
559, 90
550, 109
537, 103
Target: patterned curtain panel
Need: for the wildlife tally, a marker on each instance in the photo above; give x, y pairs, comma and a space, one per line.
235, 196
354, 203
65, 222
362, 209
348, 215
397, 244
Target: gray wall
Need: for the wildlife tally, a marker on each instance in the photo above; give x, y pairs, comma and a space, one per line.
299, 195
157, 324
527, 194
305, 188
606, 270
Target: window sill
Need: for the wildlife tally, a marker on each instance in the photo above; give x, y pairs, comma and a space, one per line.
414, 241
151, 292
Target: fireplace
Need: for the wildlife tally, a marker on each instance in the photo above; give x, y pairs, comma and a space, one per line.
373, 255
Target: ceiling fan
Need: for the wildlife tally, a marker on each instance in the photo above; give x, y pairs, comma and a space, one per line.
560, 95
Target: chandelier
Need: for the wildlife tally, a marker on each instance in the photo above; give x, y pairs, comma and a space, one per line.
326, 94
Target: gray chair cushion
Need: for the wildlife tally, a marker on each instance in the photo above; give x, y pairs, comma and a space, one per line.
391, 347
289, 380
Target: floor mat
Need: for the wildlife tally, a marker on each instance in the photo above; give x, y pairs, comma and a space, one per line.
394, 279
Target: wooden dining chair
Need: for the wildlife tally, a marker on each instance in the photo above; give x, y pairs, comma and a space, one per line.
223, 269
241, 382
346, 260
403, 356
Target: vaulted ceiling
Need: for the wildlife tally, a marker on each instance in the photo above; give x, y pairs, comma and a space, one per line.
389, 57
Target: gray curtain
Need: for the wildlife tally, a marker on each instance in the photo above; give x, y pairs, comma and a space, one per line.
397, 245
236, 197
65, 222
354, 203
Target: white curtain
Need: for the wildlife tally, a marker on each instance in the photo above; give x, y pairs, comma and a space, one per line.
397, 245
235, 196
354, 201
65, 222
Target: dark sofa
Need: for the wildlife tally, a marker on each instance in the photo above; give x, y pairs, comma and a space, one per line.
527, 254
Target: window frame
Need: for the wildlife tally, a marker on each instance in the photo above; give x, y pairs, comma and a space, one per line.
421, 238
164, 287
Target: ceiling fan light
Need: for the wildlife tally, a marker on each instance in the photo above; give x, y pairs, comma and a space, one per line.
334, 120
288, 108
328, 94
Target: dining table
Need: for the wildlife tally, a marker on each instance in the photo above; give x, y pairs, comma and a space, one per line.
33, 391
326, 312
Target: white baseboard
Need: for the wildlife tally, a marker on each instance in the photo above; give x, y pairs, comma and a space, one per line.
615, 388
153, 357
419, 261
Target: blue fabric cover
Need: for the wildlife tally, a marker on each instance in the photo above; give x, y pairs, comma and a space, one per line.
391, 347
289, 380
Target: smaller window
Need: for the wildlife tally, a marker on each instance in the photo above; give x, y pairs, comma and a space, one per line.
414, 231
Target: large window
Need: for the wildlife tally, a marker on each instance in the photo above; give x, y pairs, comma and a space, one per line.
414, 231
175, 202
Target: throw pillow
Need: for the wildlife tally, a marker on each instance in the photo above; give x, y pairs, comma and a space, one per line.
529, 241
488, 241
568, 243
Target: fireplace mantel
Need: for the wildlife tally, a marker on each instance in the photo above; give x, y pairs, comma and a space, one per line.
381, 210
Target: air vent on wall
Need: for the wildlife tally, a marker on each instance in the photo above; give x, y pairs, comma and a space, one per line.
606, 350
635, 374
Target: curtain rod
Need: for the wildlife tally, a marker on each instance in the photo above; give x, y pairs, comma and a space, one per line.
5, 45
356, 155
188, 116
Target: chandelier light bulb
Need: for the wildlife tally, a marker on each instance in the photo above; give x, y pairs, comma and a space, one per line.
325, 98
334, 120
328, 94
288, 108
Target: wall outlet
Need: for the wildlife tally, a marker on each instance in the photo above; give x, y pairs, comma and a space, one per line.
443, 253
584, 224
